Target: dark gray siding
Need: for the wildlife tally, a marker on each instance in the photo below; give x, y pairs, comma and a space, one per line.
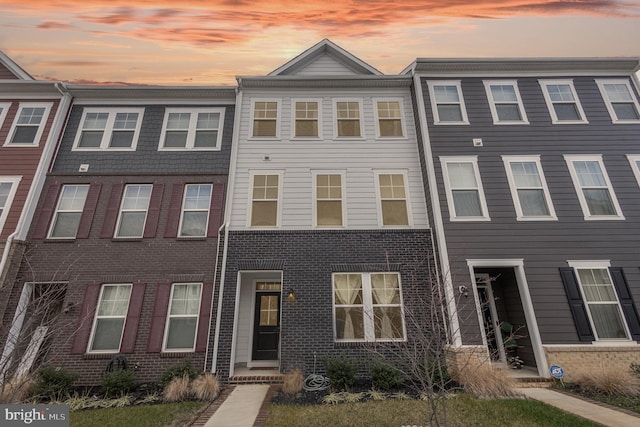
545, 246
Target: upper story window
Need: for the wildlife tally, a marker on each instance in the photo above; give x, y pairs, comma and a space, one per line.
265, 118
465, 195
348, 118
4, 109
393, 199
505, 102
264, 200
621, 103
594, 190
447, 103
68, 212
133, 210
562, 101
112, 129
634, 160
111, 314
389, 118
8, 188
195, 210
528, 188
329, 206
192, 129
182, 320
306, 119
29, 124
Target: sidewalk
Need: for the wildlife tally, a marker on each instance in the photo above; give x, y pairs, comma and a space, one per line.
241, 408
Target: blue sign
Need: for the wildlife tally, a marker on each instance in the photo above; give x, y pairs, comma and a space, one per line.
556, 371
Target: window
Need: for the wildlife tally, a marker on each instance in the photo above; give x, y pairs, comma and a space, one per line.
265, 119
634, 160
389, 118
8, 188
599, 295
264, 201
4, 108
562, 101
29, 124
368, 307
133, 211
348, 118
593, 187
110, 317
528, 188
505, 102
621, 103
113, 129
329, 211
462, 183
447, 103
68, 212
306, 122
182, 321
199, 129
393, 199
195, 210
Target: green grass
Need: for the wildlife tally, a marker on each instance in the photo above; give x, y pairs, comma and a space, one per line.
461, 411
167, 414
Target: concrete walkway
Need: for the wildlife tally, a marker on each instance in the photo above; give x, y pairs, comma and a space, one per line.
582, 408
241, 408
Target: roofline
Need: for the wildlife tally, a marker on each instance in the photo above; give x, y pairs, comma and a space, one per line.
13, 66
27, 87
323, 81
151, 92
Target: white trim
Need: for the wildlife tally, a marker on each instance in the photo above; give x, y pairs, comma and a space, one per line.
403, 126
609, 104
535, 159
343, 199
182, 209
434, 104
4, 109
492, 102
633, 161
192, 128
54, 217
407, 200
41, 126
278, 102
294, 101
169, 316
15, 182
95, 319
335, 118
252, 323
120, 211
252, 175
552, 110
108, 130
579, 190
473, 160
595, 263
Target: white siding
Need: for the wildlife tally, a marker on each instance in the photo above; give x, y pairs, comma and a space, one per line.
325, 65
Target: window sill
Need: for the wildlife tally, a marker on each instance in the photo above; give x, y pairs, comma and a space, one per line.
176, 354
126, 239
191, 239
98, 356
65, 240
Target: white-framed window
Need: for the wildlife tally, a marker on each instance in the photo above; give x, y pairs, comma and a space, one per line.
192, 129
394, 201
109, 129
306, 118
133, 210
389, 122
505, 102
329, 196
68, 212
462, 183
594, 190
8, 188
29, 124
111, 313
348, 114
447, 103
601, 300
368, 307
4, 109
621, 102
265, 200
634, 160
182, 317
529, 188
562, 102
195, 210
266, 115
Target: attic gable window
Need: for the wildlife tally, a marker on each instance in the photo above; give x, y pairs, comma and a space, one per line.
265, 118
348, 114
620, 101
447, 103
192, 129
562, 101
109, 129
29, 124
306, 115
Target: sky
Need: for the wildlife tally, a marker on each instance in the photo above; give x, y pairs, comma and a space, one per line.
210, 42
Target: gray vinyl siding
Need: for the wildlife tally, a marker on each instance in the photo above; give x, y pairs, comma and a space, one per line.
545, 246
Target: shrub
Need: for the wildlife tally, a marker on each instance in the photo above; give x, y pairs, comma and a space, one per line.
607, 380
433, 371
118, 383
293, 382
486, 382
178, 371
206, 387
54, 382
384, 376
341, 371
177, 390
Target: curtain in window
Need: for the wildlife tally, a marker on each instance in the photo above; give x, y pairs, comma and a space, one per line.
385, 291
348, 288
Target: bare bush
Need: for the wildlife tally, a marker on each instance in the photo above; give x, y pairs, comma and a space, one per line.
205, 387
607, 380
487, 382
293, 382
17, 390
177, 390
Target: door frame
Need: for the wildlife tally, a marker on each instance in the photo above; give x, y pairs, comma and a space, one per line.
484, 281
261, 363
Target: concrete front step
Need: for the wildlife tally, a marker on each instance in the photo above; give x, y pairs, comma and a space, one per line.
256, 379
533, 382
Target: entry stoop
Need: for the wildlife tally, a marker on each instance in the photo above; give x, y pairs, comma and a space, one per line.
256, 376
533, 382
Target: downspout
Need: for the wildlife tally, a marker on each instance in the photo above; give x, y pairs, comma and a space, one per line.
227, 220
452, 309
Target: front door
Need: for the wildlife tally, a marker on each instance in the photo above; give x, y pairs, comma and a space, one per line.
266, 329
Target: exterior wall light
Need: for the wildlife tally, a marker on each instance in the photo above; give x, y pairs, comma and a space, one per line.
291, 295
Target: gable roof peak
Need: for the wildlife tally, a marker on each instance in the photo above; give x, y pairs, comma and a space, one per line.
13, 67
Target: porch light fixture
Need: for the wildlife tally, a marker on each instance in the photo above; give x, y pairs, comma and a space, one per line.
291, 295
463, 291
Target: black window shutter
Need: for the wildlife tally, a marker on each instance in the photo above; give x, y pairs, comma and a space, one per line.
578, 308
626, 302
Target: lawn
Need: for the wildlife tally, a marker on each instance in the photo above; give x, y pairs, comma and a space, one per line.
462, 410
166, 414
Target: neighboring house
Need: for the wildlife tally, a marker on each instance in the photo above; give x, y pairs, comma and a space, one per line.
533, 172
327, 245
126, 231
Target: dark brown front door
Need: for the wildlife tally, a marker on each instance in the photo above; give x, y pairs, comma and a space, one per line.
266, 328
